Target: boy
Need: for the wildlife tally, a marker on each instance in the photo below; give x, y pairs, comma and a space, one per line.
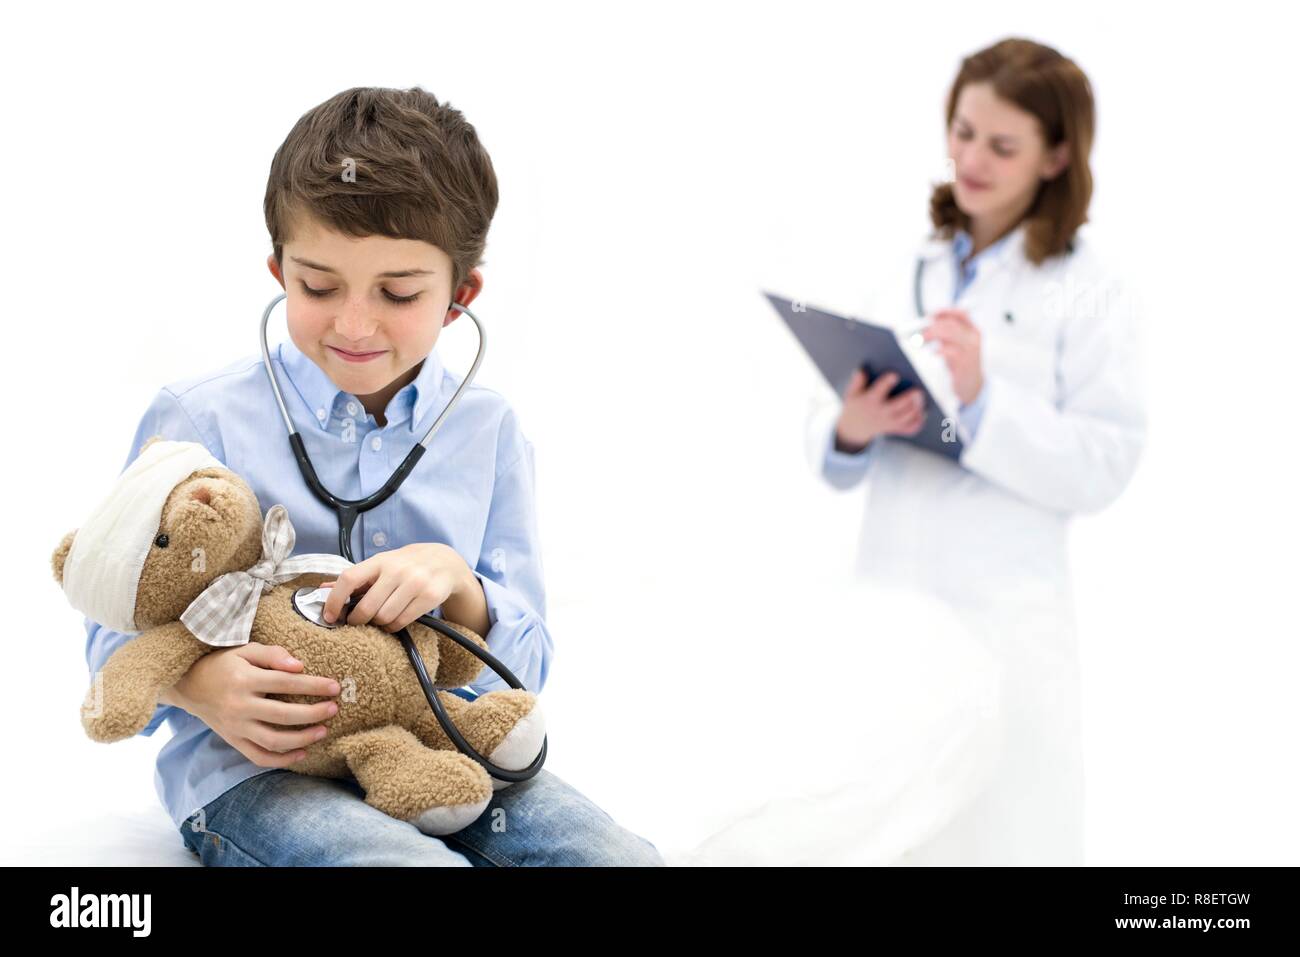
378, 205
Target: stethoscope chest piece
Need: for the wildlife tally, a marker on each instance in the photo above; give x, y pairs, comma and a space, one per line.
309, 602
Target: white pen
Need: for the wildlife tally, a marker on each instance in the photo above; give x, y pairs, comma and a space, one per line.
913, 332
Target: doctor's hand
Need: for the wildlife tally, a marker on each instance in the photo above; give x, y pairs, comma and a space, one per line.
959, 344
399, 586
868, 411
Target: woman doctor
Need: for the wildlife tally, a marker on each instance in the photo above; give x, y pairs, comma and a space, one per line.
1032, 350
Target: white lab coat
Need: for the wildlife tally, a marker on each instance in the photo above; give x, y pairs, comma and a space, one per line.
1061, 434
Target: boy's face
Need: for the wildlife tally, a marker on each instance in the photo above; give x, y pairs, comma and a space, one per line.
367, 311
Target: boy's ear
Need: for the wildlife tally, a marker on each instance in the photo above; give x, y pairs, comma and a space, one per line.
465, 293
274, 266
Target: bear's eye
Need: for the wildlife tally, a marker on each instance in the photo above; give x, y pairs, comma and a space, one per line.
162, 540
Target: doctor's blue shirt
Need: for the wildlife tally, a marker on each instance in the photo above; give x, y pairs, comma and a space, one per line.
961, 247
473, 490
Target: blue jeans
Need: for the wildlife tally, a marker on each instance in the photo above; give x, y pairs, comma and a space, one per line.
281, 818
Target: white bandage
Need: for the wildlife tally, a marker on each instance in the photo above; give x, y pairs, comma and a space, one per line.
102, 569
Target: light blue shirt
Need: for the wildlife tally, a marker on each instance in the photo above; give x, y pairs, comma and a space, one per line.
844, 469
961, 247
473, 490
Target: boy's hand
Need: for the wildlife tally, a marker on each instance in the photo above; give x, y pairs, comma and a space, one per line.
227, 688
401, 585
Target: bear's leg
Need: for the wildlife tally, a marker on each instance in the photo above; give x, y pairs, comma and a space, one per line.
439, 792
505, 726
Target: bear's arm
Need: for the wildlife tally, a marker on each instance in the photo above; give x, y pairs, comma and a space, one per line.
125, 692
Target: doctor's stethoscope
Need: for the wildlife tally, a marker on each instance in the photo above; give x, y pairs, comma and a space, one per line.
920, 275
347, 512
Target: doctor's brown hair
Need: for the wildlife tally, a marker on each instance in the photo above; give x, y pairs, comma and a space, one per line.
377, 161
1046, 84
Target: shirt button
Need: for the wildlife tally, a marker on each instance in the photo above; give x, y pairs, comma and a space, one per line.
376, 443
320, 414
379, 538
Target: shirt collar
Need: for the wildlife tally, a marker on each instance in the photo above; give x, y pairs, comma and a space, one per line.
321, 394
961, 244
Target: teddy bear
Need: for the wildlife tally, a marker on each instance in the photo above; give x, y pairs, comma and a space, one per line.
180, 530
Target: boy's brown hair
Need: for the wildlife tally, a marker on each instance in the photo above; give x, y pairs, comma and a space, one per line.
378, 161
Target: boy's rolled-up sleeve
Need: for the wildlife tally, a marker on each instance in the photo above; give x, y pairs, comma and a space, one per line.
166, 417
510, 569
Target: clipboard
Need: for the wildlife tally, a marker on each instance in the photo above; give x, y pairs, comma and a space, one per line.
840, 345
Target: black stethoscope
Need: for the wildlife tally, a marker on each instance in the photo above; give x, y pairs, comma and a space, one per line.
348, 510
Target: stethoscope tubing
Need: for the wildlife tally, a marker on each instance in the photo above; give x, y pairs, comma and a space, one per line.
347, 511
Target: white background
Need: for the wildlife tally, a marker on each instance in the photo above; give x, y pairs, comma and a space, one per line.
659, 165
